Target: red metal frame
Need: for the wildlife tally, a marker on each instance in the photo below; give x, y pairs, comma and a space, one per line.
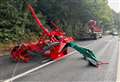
20, 52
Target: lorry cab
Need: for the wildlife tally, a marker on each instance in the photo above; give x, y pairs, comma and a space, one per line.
95, 30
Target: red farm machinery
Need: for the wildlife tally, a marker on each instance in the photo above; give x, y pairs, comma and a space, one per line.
48, 40
52, 44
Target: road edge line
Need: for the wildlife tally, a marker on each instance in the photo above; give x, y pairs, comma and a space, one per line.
118, 66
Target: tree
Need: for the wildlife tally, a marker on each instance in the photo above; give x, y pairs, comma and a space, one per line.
16, 21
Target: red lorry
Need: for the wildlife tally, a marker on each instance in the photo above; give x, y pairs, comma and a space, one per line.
93, 31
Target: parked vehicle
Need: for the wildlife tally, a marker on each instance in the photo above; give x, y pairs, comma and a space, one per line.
93, 32
115, 33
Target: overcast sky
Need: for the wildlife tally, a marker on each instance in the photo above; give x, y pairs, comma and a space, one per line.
115, 5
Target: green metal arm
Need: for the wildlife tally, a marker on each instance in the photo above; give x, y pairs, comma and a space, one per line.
88, 54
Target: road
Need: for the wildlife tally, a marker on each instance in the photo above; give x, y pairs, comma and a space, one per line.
70, 69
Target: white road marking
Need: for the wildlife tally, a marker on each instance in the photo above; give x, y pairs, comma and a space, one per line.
36, 68
118, 67
41, 66
45, 60
111, 61
101, 51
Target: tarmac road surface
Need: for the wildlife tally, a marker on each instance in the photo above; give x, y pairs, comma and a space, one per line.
71, 69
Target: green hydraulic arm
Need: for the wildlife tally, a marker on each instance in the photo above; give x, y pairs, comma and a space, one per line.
87, 54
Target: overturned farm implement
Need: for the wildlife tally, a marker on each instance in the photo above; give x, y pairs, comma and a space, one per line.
52, 44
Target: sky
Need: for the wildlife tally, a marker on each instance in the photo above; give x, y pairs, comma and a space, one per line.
115, 5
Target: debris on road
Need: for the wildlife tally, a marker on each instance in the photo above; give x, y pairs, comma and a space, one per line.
52, 44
